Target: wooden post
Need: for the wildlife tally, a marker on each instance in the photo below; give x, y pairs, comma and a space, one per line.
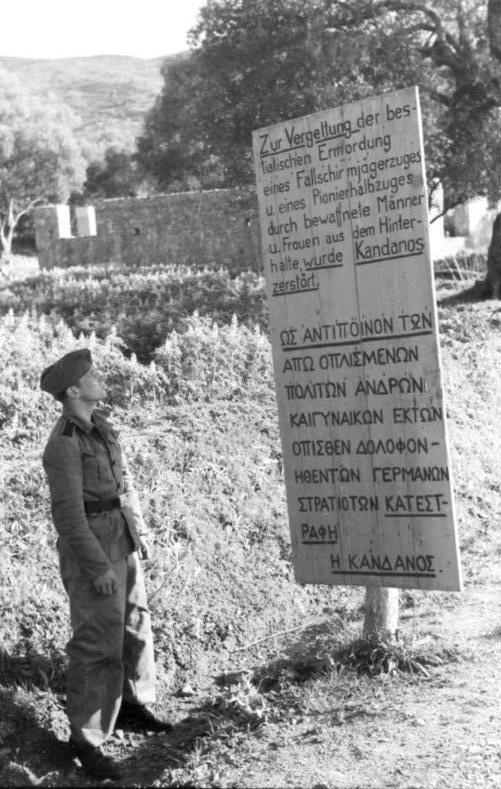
381, 612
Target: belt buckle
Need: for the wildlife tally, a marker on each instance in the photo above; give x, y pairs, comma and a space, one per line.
122, 498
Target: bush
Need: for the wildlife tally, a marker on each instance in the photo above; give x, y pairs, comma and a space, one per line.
461, 265
200, 428
142, 305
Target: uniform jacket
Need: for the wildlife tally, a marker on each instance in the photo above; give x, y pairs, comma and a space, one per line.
86, 463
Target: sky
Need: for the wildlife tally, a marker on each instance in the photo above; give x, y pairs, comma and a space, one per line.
61, 28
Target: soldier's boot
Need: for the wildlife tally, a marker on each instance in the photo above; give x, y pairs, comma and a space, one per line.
94, 762
139, 717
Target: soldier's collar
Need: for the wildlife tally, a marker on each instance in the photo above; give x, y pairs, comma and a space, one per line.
84, 426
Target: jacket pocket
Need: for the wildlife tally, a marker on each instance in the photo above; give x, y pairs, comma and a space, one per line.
90, 468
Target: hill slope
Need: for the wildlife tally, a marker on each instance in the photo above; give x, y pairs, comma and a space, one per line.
109, 94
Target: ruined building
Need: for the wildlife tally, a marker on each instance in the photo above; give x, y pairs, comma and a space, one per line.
218, 227
193, 228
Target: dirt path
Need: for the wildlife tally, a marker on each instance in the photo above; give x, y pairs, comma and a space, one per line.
440, 733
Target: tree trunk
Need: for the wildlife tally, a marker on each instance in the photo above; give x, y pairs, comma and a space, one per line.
381, 612
6, 246
7, 228
492, 285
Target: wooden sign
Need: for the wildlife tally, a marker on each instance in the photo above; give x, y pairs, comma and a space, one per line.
344, 226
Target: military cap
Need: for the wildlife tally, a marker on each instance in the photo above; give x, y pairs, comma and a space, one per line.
56, 378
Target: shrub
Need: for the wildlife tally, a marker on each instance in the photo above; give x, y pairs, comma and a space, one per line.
200, 430
461, 265
141, 305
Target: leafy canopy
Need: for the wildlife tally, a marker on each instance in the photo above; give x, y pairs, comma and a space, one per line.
114, 177
255, 62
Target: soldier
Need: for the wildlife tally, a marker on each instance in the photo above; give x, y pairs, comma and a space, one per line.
96, 512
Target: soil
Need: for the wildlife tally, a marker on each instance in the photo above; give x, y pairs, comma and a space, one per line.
442, 732
429, 732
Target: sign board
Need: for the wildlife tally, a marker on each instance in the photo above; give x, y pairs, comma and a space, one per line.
344, 227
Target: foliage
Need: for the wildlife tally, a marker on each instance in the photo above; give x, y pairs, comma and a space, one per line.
177, 160
108, 95
373, 656
258, 62
114, 177
445, 49
142, 305
209, 362
217, 499
200, 430
39, 159
252, 63
461, 267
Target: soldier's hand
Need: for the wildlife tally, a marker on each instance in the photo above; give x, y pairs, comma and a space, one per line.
106, 583
144, 548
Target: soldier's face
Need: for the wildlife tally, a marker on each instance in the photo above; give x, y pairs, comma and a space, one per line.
90, 387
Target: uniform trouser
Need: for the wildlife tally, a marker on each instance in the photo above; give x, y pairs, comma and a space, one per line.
110, 652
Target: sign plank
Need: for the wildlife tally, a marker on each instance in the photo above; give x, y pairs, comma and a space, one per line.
344, 227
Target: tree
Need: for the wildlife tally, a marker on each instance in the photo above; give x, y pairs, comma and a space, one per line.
39, 160
254, 62
175, 149
457, 44
449, 49
116, 176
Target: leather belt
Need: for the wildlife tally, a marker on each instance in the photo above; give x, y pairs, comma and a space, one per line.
103, 505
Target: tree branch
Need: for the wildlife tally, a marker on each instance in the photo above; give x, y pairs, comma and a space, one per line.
10, 219
442, 98
445, 49
26, 210
452, 204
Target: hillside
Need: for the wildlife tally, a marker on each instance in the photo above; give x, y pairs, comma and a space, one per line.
110, 94
264, 678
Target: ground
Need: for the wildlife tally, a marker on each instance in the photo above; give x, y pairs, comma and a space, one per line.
443, 731
337, 730
286, 706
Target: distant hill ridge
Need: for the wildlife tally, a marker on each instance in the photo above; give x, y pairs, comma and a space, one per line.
110, 94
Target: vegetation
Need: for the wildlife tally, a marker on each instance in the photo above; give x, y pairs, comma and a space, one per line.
107, 95
115, 176
142, 306
251, 64
448, 50
39, 159
200, 429
255, 63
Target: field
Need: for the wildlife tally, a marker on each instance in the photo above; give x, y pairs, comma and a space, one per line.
267, 681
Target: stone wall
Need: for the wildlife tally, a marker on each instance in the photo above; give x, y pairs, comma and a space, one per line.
218, 227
